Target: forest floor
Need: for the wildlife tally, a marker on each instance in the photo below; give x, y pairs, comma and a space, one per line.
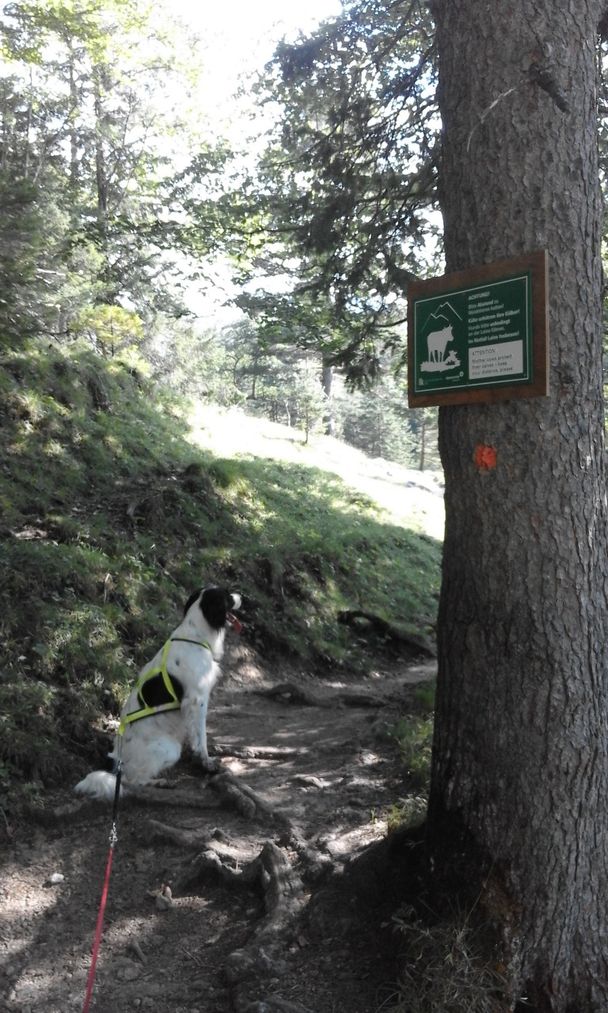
270, 908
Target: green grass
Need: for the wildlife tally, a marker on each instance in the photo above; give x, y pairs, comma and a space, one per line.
111, 513
414, 738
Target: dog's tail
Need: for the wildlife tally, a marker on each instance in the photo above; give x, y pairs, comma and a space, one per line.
98, 784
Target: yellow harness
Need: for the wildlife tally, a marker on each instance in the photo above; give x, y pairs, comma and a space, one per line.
170, 686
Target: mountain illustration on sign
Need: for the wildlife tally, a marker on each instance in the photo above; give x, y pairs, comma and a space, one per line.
439, 327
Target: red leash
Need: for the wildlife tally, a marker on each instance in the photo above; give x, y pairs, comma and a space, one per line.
105, 890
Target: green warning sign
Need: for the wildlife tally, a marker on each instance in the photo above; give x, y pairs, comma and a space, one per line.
479, 335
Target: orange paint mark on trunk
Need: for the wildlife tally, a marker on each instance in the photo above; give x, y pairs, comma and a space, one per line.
485, 457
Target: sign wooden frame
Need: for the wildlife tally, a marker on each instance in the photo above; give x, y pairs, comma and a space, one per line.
495, 318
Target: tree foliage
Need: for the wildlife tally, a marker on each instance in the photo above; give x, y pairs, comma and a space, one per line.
338, 207
109, 328
103, 216
91, 117
285, 384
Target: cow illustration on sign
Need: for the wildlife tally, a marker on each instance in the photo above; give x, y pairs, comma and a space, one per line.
438, 339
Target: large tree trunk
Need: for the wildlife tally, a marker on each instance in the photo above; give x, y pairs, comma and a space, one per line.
520, 769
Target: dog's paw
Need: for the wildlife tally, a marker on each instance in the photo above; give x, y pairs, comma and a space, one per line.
211, 765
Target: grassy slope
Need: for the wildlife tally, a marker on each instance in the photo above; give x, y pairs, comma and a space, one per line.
114, 507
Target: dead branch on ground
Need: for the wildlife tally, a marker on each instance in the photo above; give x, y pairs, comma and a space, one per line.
287, 692
414, 642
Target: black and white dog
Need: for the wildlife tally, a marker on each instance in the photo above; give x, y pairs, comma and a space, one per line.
168, 704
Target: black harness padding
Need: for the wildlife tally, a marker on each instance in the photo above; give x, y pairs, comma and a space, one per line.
154, 692
157, 691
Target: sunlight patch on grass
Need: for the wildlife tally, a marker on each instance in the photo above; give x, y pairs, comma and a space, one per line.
405, 496
114, 509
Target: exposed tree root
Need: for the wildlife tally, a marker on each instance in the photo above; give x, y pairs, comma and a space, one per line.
227, 791
163, 794
315, 864
275, 1005
244, 799
257, 752
157, 831
262, 957
61, 813
210, 848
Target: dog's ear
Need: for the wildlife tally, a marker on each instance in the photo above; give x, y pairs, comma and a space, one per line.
216, 602
193, 597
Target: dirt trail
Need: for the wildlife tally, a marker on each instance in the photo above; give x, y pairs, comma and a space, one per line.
290, 934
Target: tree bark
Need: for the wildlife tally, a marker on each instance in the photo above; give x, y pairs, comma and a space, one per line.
422, 459
520, 768
100, 90
327, 379
73, 132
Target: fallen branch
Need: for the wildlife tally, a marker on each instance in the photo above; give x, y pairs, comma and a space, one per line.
351, 698
290, 693
419, 644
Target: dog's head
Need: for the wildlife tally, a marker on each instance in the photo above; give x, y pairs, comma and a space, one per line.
216, 604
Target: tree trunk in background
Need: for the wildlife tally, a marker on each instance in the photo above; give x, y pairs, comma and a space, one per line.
520, 768
74, 102
101, 83
422, 458
327, 378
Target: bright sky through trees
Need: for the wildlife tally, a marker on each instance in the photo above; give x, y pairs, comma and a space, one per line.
238, 36
235, 39
247, 25
232, 40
